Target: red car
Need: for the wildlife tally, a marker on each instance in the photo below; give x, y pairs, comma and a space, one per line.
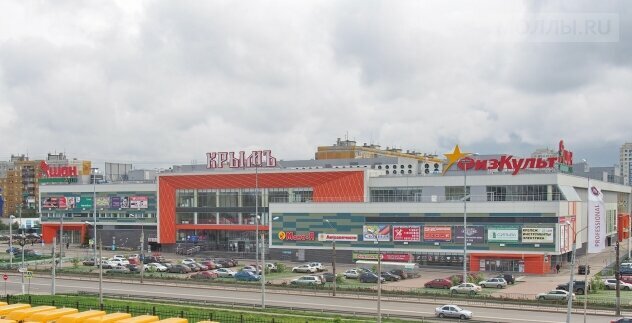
438, 283
210, 264
204, 275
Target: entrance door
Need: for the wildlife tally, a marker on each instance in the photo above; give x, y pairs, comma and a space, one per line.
300, 254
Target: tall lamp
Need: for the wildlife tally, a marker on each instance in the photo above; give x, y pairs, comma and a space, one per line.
95, 170
569, 305
379, 276
333, 255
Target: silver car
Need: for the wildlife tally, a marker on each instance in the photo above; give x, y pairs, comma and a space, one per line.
554, 295
453, 311
494, 282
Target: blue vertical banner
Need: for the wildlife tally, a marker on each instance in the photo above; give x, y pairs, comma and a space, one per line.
1, 203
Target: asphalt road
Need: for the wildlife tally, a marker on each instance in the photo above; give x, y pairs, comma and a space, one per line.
43, 286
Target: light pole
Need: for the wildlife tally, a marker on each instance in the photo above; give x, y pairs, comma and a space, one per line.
379, 276
11, 217
465, 198
257, 220
569, 306
94, 210
22, 243
333, 255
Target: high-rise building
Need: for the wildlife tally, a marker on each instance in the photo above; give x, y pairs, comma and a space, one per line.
625, 162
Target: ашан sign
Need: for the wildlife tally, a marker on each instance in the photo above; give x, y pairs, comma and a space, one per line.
60, 171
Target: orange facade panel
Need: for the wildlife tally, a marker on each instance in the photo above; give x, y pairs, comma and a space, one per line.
333, 186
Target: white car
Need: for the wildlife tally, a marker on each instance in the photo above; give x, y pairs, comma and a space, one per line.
225, 272
317, 265
271, 267
466, 288
252, 269
611, 283
352, 274
156, 266
304, 269
493, 282
453, 311
118, 257
554, 295
119, 261
188, 261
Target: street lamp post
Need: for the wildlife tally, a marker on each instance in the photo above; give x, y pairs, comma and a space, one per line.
465, 198
379, 276
11, 217
22, 243
94, 211
333, 256
569, 306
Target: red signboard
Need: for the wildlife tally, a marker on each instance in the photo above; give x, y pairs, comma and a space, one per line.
400, 257
257, 158
507, 163
292, 236
406, 233
60, 171
5, 277
566, 157
437, 233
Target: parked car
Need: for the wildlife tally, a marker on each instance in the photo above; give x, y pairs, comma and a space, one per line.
224, 263
225, 272
119, 261
198, 266
193, 267
352, 274
252, 269
15, 250
554, 295
509, 278
188, 261
611, 283
329, 277
247, 276
453, 311
106, 264
31, 252
438, 283
134, 268
622, 320
494, 283
307, 280
317, 265
304, 269
625, 270
88, 262
119, 270
579, 287
399, 272
156, 267
180, 269
466, 288
205, 275
390, 277
271, 267
210, 264
369, 278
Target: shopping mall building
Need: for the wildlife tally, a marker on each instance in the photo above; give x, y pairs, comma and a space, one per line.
522, 213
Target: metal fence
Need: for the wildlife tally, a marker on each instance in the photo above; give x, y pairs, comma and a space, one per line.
163, 313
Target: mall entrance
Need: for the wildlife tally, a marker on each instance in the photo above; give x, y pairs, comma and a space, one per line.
504, 265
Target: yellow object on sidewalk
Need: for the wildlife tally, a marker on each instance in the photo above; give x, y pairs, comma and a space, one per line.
140, 319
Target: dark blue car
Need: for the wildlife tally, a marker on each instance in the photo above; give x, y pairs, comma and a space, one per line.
247, 276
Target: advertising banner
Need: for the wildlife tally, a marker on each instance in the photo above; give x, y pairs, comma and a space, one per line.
50, 202
406, 233
401, 257
70, 201
115, 202
475, 233
537, 235
337, 237
138, 202
103, 201
436, 234
381, 232
293, 236
596, 220
502, 234
125, 202
85, 202
61, 202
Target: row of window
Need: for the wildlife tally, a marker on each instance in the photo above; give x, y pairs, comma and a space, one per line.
241, 198
456, 193
225, 218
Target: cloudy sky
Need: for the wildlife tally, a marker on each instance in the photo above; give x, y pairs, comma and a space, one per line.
164, 82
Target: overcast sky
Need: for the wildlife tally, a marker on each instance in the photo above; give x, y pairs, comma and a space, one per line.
164, 82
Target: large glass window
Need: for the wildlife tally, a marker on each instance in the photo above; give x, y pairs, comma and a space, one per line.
249, 198
521, 193
455, 193
278, 196
184, 218
206, 198
228, 199
184, 198
302, 196
396, 194
229, 218
248, 218
207, 218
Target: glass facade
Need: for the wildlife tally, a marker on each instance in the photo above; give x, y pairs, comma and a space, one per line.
523, 193
396, 194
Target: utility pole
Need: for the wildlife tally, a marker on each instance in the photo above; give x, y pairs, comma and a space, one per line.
333, 263
618, 276
142, 251
52, 287
61, 242
100, 271
263, 270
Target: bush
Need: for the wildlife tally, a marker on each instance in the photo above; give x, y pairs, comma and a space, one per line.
455, 280
340, 278
596, 283
75, 262
280, 267
475, 278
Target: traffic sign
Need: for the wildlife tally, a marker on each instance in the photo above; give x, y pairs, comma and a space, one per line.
29, 274
5, 277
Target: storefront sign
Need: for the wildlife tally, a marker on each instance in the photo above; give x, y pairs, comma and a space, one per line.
507, 162
50, 202
115, 202
565, 156
257, 158
475, 233
406, 233
292, 236
84, 202
337, 237
596, 220
537, 235
59, 171
502, 234
380, 232
103, 201
138, 202
436, 234
402, 257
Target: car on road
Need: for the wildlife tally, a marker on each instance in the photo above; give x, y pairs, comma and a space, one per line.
493, 283
304, 269
579, 287
369, 278
180, 269
204, 275
622, 320
452, 311
553, 295
318, 266
611, 283
225, 272
466, 288
352, 274
154, 266
247, 276
438, 283
390, 276
307, 280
